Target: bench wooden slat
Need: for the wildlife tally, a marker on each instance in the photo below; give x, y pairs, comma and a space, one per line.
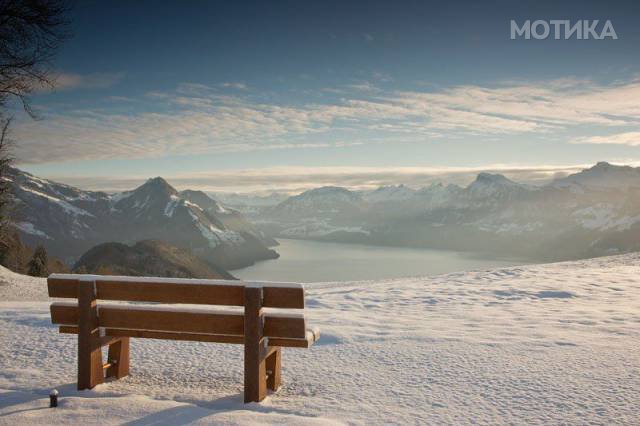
187, 321
178, 290
310, 338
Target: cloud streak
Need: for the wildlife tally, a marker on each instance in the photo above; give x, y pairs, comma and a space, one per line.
71, 81
235, 85
627, 138
198, 119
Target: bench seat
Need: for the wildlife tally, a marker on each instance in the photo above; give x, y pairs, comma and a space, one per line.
311, 336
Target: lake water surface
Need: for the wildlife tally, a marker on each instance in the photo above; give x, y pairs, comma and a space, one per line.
314, 261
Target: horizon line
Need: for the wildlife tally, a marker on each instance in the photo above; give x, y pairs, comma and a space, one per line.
297, 179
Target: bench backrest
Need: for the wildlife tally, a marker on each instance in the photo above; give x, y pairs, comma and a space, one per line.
178, 291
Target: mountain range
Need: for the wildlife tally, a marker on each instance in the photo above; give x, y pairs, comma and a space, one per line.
68, 221
590, 213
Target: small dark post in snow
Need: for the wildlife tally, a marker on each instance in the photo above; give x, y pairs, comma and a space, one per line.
53, 398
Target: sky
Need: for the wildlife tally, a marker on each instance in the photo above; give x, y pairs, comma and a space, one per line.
244, 96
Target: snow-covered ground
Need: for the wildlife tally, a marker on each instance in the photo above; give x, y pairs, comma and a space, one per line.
542, 344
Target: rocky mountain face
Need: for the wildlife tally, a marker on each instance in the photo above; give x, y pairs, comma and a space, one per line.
591, 213
230, 218
146, 258
68, 221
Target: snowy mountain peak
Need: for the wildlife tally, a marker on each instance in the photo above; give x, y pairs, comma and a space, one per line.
602, 165
487, 184
390, 193
152, 196
327, 194
327, 199
602, 176
485, 178
326, 191
156, 185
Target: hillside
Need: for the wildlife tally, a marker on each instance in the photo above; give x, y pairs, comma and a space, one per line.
149, 258
15, 255
540, 344
69, 221
591, 213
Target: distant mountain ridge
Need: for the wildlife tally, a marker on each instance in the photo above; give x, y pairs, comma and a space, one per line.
590, 213
249, 203
603, 176
68, 221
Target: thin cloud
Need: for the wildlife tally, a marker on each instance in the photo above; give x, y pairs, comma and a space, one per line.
200, 120
627, 138
70, 81
235, 85
364, 86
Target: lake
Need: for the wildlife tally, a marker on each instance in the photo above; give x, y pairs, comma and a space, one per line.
314, 261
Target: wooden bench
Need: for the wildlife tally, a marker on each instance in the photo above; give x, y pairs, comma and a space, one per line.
112, 324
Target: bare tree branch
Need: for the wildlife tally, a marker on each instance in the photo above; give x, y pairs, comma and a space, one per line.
31, 31
5, 186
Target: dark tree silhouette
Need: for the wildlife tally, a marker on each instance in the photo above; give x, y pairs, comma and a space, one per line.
5, 162
31, 32
37, 266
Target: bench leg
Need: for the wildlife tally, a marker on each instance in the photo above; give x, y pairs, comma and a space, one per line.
255, 372
273, 364
255, 346
90, 372
118, 358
